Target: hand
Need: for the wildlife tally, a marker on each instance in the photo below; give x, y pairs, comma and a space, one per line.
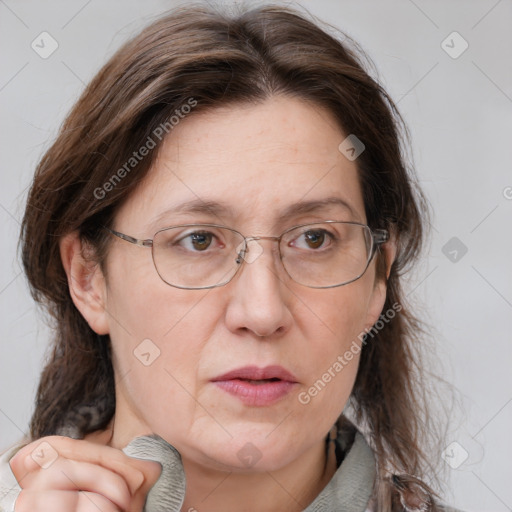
68, 475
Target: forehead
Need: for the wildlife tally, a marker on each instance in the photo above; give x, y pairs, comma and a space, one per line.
260, 163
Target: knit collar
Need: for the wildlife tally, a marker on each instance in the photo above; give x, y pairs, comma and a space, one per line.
351, 486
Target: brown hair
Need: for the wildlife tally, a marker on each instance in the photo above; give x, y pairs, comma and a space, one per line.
218, 58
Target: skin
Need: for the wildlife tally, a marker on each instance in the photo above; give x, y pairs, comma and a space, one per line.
259, 159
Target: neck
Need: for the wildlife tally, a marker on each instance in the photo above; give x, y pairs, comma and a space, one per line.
291, 488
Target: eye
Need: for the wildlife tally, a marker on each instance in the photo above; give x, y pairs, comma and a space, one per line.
314, 239
198, 241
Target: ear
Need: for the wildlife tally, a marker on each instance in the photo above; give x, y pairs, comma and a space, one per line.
86, 282
388, 252
378, 298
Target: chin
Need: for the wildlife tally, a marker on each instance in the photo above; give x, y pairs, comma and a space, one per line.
249, 453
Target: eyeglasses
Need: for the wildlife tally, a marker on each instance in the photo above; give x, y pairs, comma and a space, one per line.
320, 255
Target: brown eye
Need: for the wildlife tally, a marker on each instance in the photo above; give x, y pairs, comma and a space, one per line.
312, 239
315, 239
201, 240
195, 241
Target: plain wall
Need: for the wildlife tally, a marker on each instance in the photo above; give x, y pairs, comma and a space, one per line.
459, 111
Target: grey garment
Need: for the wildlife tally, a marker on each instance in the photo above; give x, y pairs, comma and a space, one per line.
350, 489
168, 494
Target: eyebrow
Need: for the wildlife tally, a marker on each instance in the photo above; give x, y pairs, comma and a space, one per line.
220, 209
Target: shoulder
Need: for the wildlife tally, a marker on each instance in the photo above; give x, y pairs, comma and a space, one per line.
359, 463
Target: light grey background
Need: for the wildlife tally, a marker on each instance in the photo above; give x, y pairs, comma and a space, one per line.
459, 111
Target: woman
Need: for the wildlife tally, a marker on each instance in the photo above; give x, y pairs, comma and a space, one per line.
219, 232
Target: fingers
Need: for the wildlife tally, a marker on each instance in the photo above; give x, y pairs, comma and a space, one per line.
70, 475
58, 473
63, 501
40, 455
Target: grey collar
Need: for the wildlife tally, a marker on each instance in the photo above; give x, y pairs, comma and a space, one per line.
350, 489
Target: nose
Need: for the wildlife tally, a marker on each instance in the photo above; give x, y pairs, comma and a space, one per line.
259, 293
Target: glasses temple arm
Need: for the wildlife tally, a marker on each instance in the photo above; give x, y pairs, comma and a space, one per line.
380, 236
131, 239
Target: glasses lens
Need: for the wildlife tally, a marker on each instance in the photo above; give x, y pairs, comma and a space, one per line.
326, 254
198, 256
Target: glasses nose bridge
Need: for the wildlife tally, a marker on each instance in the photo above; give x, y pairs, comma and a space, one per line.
277, 239
248, 238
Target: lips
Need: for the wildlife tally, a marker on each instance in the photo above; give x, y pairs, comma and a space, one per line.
257, 386
258, 374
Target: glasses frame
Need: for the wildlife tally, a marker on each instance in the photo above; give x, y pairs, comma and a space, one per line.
378, 237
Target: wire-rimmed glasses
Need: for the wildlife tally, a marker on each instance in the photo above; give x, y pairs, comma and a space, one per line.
317, 255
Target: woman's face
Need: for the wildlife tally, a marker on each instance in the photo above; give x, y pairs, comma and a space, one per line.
257, 161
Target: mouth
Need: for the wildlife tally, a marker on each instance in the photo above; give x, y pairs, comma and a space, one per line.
257, 386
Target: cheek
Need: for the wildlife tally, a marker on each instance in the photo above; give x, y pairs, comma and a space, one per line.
141, 307
334, 326
158, 334
158, 376
338, 315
